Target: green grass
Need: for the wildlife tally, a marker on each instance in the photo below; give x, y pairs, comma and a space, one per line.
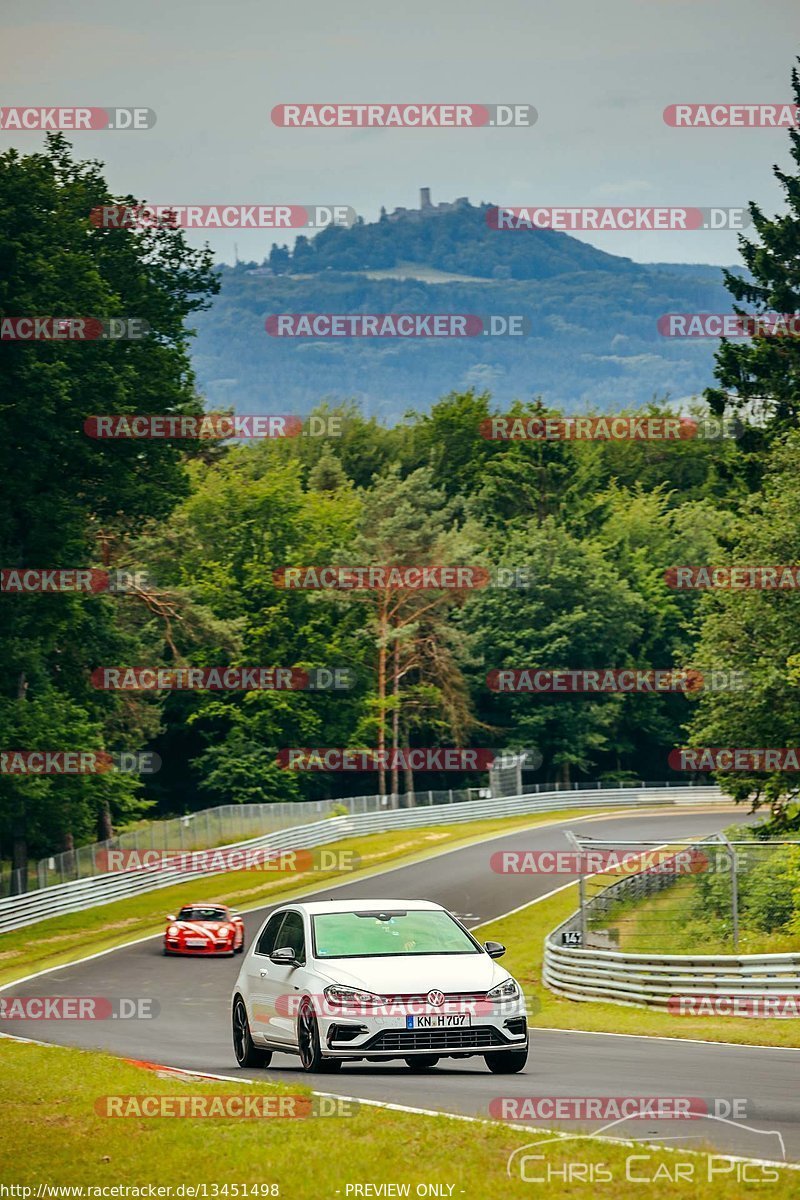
62, 939
524, 933
53, 1134
667, 925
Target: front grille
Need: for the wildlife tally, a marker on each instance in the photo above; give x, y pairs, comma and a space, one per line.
465, 1037
422, 997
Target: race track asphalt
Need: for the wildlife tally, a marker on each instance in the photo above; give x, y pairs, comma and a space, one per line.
192, 1029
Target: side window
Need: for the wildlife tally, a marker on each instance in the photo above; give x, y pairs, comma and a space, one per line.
292, 934
266, 943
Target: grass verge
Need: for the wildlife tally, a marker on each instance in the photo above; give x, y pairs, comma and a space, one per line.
524, 933
48, 1107
669, 923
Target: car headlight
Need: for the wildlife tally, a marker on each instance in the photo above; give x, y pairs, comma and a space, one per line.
508, 990
173, 931
346, 997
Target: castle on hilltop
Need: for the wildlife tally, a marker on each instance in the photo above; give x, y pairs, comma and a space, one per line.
426, 209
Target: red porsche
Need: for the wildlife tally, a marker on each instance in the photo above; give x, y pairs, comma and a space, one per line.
204, 929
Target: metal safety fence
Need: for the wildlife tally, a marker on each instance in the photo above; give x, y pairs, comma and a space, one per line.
102, 887
639, 904
229, 823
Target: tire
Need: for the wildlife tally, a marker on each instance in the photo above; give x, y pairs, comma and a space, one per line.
247, 1053
308, 1043
506, 1062
422, 1062
239, 949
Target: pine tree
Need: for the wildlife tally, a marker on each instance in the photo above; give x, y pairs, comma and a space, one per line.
327, 474
761, 377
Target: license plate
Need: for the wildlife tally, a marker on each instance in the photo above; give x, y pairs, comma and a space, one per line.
196, 942
438, 1021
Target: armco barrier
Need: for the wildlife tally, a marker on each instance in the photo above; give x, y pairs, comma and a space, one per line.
17, 911
650, 979
614, 977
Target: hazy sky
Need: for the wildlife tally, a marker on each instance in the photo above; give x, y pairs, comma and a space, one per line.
599, 74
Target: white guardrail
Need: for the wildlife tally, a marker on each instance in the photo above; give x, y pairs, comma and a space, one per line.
26, 909
651, 980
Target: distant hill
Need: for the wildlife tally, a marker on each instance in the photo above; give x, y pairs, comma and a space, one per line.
458, 241
593, 315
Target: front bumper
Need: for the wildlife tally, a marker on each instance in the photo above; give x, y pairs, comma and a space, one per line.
365, 1037
173, 946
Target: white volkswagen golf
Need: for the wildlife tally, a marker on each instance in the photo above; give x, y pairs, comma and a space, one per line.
343, 980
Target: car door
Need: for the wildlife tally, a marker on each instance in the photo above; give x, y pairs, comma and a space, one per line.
282, 983
258, 969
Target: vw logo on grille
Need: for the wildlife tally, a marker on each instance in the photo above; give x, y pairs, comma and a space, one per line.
435, 997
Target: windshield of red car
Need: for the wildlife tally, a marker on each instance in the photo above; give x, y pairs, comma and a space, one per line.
202, 914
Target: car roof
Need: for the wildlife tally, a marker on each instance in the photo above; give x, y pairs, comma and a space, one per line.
345, 904
204, 904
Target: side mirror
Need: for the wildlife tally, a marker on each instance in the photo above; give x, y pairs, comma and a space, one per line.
494, 949
285, 956
170, 917
235, 914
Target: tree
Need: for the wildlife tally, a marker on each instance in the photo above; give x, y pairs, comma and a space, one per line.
408, 522
64, 488
758, 632
247, 516
578, 613
761, 377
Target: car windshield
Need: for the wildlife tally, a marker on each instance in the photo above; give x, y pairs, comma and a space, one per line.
389, 934
191, 913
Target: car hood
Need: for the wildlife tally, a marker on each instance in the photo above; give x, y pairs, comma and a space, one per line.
215, 928
415, 975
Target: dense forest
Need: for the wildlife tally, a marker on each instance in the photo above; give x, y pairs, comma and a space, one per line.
596, 524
